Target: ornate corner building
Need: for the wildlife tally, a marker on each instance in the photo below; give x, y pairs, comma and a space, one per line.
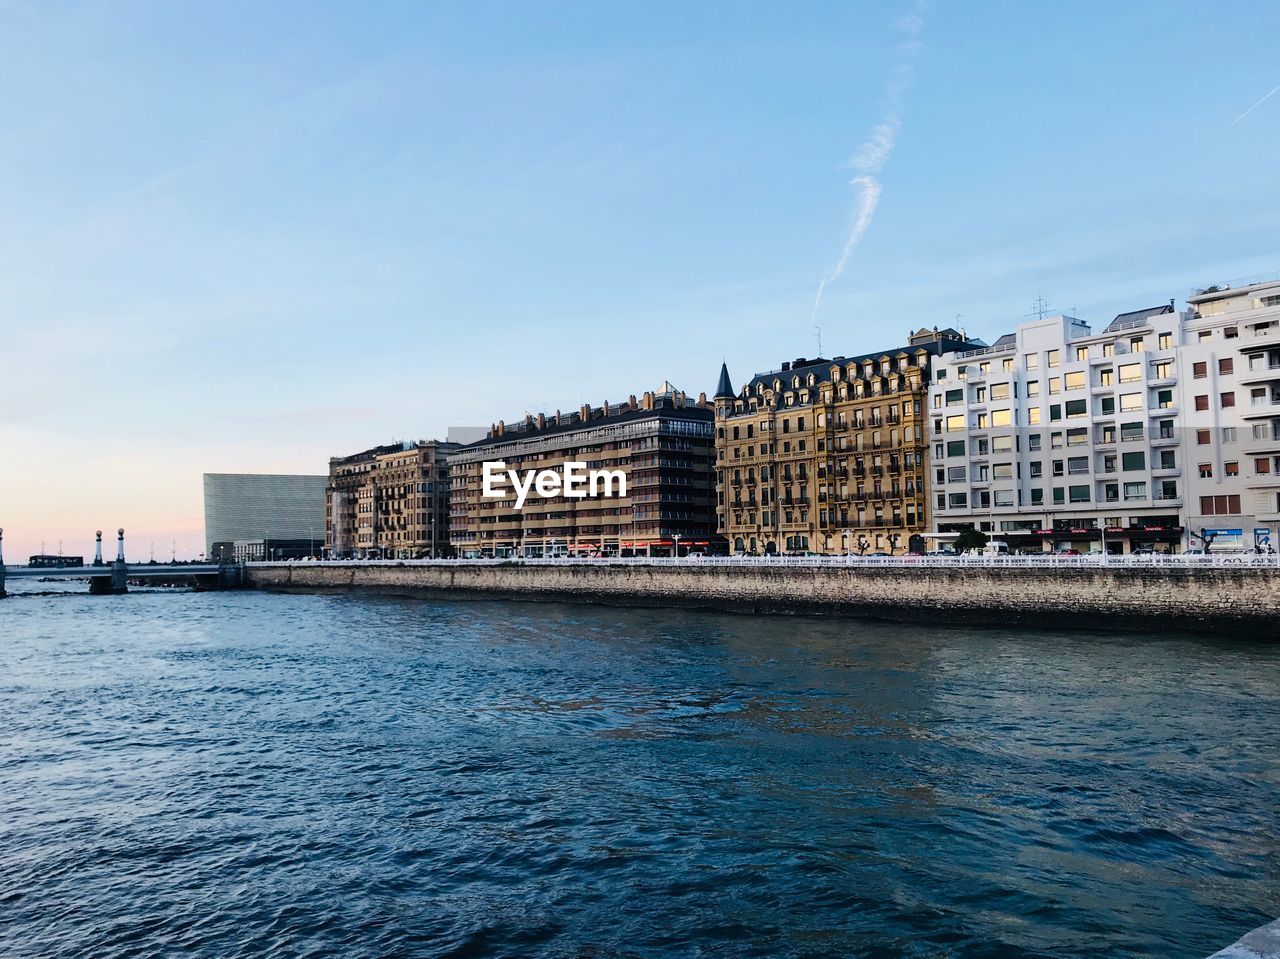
828, 456
389, 502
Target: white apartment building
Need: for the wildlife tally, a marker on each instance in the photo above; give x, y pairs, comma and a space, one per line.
1057, 437
1161, 431
1230, 368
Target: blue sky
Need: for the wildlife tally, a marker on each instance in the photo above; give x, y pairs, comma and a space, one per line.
243, 237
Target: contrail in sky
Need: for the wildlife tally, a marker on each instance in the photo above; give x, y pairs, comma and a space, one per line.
873, 153
1252, 108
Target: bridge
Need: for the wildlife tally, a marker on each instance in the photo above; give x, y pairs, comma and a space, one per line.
113, 578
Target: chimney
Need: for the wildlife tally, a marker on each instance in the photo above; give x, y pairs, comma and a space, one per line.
559, 419
542, 421
786, 366
702, 400
647, 400
584, 412
502, 428
605, 406
631, 402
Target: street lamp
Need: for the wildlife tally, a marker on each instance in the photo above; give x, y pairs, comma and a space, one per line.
677, 546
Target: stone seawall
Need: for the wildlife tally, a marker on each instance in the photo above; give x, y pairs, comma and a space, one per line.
1218, 599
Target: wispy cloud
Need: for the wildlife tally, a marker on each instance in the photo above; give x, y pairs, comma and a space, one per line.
1254, 107
874, 152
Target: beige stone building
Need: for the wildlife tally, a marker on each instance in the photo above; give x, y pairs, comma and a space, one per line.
662, 443
389, 502
828, 456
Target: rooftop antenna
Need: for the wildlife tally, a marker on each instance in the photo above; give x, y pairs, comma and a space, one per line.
818, 334
1039, 308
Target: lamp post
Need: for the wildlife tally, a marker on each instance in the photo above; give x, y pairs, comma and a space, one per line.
120, 545
677, 535
97, 549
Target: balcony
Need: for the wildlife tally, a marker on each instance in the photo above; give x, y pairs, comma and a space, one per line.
1162, 381
1258, 339
1165, 472
1164, 438
1269, 406
1163, 409
1261, 374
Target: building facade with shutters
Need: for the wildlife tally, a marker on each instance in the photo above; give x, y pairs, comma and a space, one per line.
389, 502
1231, 375
661, 443
828, 455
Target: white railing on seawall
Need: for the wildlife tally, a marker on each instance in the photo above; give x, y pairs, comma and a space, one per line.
1047, 561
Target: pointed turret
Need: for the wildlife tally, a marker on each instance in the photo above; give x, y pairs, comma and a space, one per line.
724, 389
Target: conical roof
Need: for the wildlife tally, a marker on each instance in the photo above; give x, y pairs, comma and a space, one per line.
724, 388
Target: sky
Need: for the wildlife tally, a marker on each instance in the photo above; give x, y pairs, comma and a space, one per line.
244, 237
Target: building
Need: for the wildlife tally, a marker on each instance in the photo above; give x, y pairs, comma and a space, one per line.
389, 502
828, 456
662, 444
1057, 437
255, 516
1230, 367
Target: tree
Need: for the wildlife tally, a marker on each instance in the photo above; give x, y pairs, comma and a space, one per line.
862, 545
971, 539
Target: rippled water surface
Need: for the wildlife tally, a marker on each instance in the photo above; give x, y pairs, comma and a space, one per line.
244, 774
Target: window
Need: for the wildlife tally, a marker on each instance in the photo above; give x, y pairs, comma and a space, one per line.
1037, 469
1078, 437
1220, 505
955, 397
1007, 364
1055, 385
1078, 464
1033, 388
1130, 402
1004, 497
1262, 466
1034, 441
1227, 400
1204, 336
1200, 370
1106, 377
1228, 434
1058, 497
1051, 358
957, 474
1206, 471
1000, 391
1037, 497
1057, 467
1134, 491
1163, 370
955, 447
1108, 349
1074, 381
1202, 401
1130, 432
1001, 417
1002, 444
1108, 404
1032, 361
958, 500
1165, 341
1055, 412
1137, 344
1231, 468
1130, 372
1226, 366
1082, 353
1164, 399
1079, 494
1230, 332
1203, 438
955, 424
1002, 471
1033, 416
1076, 408
1133, 461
